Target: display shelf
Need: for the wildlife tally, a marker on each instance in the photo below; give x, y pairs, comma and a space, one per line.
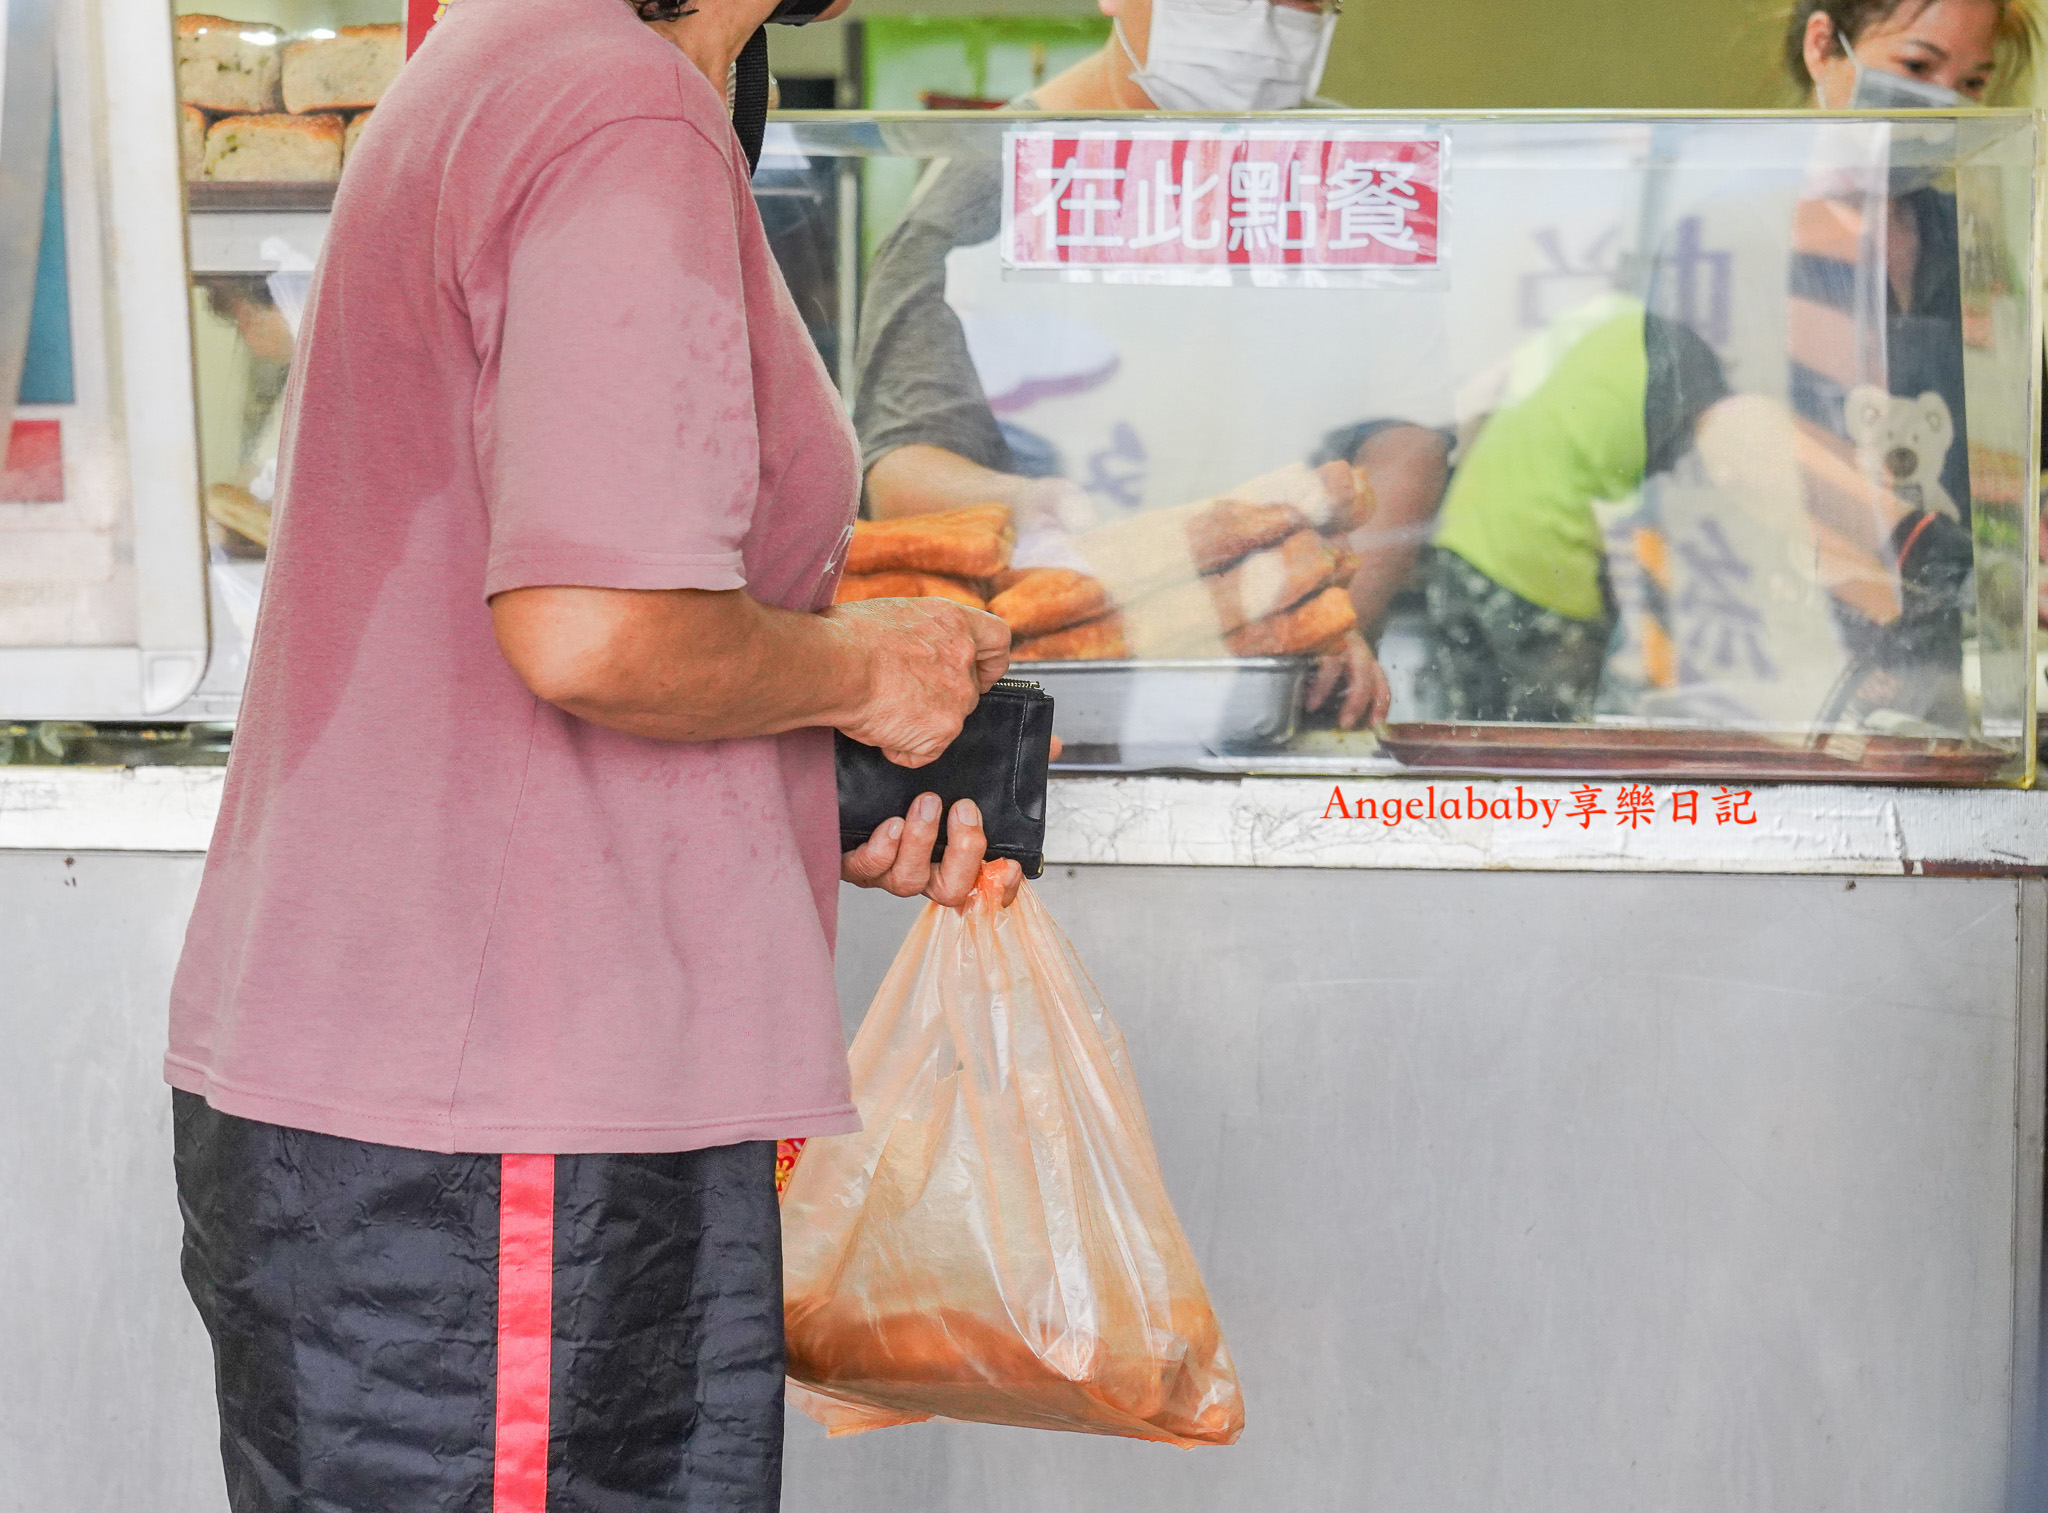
209, 196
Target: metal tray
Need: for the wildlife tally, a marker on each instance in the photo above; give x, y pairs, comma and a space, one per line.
1602, 750
1143, 710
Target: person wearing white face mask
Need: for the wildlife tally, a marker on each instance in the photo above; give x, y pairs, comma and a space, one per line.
1905, 54
930, 439
1227, 54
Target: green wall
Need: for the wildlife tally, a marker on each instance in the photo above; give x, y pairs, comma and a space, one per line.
1588, 54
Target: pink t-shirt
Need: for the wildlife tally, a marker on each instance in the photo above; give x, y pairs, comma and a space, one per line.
547, 344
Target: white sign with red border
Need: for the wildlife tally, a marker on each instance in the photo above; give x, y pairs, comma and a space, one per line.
1210, 205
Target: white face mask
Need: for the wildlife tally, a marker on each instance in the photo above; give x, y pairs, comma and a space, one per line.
1875, 89
1231, 54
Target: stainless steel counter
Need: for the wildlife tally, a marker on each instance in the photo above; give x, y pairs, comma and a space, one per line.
1608, 1188
1294, 822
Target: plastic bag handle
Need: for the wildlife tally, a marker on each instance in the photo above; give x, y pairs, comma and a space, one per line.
988, 887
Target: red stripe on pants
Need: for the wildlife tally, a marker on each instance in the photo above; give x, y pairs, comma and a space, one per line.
526, 1296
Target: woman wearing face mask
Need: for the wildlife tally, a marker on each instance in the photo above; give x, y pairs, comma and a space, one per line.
1896, 56
1910, 55
1520, 615
481, 1059
1904, 54
929, 437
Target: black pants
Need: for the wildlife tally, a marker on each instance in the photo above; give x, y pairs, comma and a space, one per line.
397, 1331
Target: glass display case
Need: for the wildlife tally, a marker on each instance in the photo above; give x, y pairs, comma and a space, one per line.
103, 612
271, 100
136, 492
1615, 444
1680, 445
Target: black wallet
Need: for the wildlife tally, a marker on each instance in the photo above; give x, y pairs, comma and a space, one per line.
999, 760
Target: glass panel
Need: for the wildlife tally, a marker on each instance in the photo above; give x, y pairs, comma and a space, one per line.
1669, 446
102, 599
1633, 445
270, 106
67, 576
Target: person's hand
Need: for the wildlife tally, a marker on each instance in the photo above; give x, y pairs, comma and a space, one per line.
898, 856
1354, 671
1050, 504
929, 661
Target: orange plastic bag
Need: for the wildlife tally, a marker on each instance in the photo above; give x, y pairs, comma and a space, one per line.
997, 1244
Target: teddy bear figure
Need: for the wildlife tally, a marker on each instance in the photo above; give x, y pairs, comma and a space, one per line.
1903, 444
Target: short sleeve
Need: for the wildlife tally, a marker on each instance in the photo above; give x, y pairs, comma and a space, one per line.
621, 446
916, 382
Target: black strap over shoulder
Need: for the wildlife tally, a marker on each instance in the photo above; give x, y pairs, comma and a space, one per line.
750, 96
750, 76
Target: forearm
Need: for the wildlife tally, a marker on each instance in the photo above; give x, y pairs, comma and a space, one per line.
924, 480
681, 664
1408, 469
1386, 568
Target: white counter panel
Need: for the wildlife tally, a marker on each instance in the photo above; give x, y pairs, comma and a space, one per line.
1289, 822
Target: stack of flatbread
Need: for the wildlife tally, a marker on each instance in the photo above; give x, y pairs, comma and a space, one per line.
1262, 571
950, 556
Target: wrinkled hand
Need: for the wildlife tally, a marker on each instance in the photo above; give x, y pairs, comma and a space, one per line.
929, 662
897, 857
1356, 672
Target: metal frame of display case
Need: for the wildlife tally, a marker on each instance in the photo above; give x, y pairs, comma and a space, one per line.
229, 223
1607, 746
131, 434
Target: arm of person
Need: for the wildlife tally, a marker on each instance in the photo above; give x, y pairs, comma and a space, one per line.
930, 441
698, 665
616, 577
920, 479
1410, 468
693, 665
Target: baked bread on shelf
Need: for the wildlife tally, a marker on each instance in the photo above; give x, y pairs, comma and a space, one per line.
1260, 571
192, 141
225, 65
354, 130
347, 70
270, 148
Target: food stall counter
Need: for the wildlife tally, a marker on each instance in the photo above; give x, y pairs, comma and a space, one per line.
1542, 613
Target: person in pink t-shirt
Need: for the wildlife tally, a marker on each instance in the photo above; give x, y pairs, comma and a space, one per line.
513, 954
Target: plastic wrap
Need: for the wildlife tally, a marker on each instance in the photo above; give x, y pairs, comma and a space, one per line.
997, 1244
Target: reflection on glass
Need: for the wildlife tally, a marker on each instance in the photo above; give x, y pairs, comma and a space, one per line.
244, 344
1705, 449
